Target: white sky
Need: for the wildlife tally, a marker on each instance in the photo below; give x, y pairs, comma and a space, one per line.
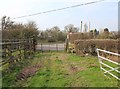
103, 14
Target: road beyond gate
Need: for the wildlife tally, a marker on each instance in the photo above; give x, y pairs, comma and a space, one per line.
50, 47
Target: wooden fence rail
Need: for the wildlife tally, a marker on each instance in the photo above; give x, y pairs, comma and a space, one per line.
15, 50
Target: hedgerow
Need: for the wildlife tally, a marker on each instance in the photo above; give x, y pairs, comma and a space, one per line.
76, 36
89, 46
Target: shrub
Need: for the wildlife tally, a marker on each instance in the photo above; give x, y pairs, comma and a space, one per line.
78, 35
89, 46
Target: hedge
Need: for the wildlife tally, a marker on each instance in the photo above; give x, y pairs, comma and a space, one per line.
78, 35
89, 46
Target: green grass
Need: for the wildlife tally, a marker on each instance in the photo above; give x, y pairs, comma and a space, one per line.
9, 75
60, 69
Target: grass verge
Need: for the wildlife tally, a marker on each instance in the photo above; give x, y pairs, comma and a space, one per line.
61, 69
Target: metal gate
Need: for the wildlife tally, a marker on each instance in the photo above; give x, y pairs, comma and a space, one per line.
51, 46
108, 63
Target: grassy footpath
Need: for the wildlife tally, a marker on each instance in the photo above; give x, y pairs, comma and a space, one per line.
60, 69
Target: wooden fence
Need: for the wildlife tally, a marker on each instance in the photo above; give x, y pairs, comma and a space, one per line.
15, 50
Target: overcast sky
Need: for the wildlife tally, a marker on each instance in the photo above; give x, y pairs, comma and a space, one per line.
101, 15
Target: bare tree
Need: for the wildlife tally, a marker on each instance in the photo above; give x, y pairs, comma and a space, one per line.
71, 28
